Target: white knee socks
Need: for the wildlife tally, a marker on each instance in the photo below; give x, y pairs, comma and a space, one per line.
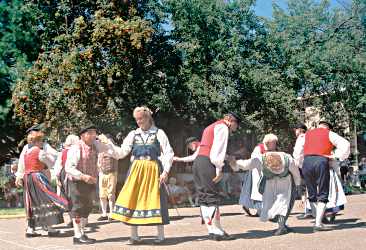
320, 208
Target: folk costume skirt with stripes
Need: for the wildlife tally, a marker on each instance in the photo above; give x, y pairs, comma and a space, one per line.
43, 206
142, 200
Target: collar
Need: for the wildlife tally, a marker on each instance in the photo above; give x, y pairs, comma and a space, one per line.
152, 130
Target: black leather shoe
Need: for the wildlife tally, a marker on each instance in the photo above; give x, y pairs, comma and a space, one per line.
31, 235
227, 236
53, 233
305, 216
134, 241
83, 240
320, 228
214, 237
102, 218
158, 241
281, 231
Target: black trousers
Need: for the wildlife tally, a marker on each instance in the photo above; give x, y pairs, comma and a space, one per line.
316, 175
203, 173
82, 198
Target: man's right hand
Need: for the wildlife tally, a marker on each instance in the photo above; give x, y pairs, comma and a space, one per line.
88, 179
218, 177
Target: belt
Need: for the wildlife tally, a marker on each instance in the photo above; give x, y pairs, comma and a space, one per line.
145, 157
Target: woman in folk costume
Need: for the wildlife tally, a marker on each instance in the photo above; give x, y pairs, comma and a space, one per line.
143, 199
250, 196
43, 206
279, 172
62, 179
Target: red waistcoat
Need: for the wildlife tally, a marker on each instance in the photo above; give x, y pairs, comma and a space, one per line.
208, 138
64, 157
32, 162
317, 142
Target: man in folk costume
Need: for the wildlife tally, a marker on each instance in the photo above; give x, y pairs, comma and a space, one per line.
81, 166
193, 144
62, 179
250, 196
278, 189
207, 172
143, 199
108, 173
43, 206
318, 146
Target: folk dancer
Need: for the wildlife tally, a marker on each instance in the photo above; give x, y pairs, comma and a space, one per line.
143, 199
207, 172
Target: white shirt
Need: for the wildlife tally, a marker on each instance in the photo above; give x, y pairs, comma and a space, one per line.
73, 157
219, 146
298, 153
47, 149
167, 153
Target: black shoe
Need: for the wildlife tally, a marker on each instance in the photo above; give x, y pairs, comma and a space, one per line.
305, 216
102, 218
218, 237
134, 241
53, 233
247, 211
325, 220
31, 235
158, 241
70, 225
281, 231
83, 240
320, 228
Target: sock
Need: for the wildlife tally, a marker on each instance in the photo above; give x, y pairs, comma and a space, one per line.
83, 223
160, 229
320, 208
77, 227
104, 204
29, 230
217, 223
111, 207
313, 209
134, 233
208, 214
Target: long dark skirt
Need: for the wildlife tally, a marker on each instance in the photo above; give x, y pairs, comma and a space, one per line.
42, 205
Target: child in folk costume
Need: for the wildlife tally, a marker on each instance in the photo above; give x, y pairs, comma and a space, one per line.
62, 179
108, 173
43, 206
143, 198
250, 196
278, 189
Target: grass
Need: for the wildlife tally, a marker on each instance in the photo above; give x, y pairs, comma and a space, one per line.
6, 213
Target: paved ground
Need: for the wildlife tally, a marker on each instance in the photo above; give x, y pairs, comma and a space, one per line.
185, 232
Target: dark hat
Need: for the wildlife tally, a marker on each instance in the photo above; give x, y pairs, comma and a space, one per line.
191, 139
236, 116
35, 127
86, 128
330, 126
301, 126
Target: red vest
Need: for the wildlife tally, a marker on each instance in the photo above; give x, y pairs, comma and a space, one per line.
32, 162
64, 157
317, 142
262, 148
208, 138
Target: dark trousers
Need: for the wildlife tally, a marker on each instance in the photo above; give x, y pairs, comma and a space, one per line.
82, 198
203, 173
316, 175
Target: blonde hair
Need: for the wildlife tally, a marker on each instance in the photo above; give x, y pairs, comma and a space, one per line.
71, 140
35, 136
146, 112
270, 138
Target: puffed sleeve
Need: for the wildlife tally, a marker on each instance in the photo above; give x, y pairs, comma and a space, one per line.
167, 153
